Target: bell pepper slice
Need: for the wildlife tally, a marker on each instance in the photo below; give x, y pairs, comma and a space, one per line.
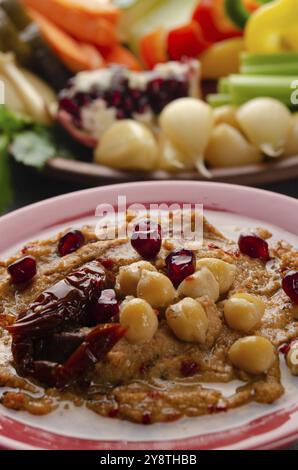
215, 24
239, 11
186, 41
273, 28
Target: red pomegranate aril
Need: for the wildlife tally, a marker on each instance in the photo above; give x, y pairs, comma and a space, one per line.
189, 368
70, 242
22, 270
106, 308
253, 246
180, 264
285, 348
290, 285
146, 239
147, 418
107, 263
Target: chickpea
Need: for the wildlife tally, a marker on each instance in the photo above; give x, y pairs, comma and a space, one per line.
129, 276
292, 358
188, 320
201, 283
243, 312
253, 354
140, 319
223, 272
156, 289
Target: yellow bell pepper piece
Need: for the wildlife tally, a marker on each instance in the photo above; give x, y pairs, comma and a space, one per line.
222, 58
273, 28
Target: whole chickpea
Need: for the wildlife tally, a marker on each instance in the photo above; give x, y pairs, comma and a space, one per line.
129, 276
223, 272
243, 312
156, 289
201, 283
188, 320
140, 320
252, 354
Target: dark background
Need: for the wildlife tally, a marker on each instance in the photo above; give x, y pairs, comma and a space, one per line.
30, 187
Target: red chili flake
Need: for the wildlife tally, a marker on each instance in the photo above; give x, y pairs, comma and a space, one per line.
212, 245
154, 394
217, 409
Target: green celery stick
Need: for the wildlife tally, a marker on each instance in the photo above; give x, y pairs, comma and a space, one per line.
219, 99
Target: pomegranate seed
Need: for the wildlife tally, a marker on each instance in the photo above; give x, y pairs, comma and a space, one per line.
253, 246
147, 419
290, 285
106, 308
22, 270
107, 263
180, 264
146, 239
189, 368
285, 348
113, 412
70, 242
69, 105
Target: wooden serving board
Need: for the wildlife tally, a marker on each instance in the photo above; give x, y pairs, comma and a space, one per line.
93, 175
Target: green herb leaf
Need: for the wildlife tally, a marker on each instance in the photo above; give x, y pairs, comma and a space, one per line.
11, 123
33, 149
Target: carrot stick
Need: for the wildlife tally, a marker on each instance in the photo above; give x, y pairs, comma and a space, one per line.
75, 55
121, 55
96, 27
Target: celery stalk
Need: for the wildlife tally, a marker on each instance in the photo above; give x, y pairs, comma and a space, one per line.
244, 88
219, 99
287, 69
269, 59
224, 86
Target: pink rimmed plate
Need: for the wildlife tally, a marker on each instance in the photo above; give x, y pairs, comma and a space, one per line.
253, 426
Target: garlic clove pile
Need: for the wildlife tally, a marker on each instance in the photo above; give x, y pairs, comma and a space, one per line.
127, 145
188, 123
228, 148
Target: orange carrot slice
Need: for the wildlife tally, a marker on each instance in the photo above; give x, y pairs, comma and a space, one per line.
122, 56
97, 27
153, 48
75, 55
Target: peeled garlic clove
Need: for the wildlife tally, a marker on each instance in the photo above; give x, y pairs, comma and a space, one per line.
188, 122
267, 123
292, 143
171, 157
226, 115
127, 145
227, 148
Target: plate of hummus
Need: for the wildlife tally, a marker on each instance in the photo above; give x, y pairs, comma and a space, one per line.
123, 328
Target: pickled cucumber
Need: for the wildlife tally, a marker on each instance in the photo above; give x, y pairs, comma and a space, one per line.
10, 40
16, 13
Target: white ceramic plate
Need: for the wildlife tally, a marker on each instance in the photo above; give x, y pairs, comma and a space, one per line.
250, 427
